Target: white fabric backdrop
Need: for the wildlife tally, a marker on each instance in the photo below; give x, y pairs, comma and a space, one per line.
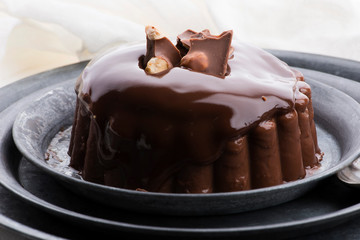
37, 35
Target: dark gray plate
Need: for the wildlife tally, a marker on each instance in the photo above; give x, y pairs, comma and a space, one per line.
329, 204
338, 136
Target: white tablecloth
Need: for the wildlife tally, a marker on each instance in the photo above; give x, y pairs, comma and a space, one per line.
36, 35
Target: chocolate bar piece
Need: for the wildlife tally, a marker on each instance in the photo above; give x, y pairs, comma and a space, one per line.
160, 47
208, 54
195, 51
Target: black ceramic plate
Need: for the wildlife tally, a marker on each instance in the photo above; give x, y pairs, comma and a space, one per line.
338, 137
329, 204
315, 211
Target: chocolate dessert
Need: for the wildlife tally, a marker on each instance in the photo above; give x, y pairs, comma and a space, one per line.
205, 115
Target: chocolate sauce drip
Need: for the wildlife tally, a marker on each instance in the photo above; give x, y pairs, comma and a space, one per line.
265, 155
232, 169
80, 136
290, 146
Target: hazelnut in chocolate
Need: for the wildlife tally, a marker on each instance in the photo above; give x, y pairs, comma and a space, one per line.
205, 115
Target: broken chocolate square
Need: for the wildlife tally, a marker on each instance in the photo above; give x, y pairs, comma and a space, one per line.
158, 49
195, 51
208, 54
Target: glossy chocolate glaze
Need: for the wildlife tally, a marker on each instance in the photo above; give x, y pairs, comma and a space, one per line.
191, 132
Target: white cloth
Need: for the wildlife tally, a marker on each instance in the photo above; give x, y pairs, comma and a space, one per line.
36, 35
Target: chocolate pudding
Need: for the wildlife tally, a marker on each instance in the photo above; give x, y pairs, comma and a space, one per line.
204, 115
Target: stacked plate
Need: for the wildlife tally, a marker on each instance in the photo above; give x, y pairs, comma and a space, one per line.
38, 201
